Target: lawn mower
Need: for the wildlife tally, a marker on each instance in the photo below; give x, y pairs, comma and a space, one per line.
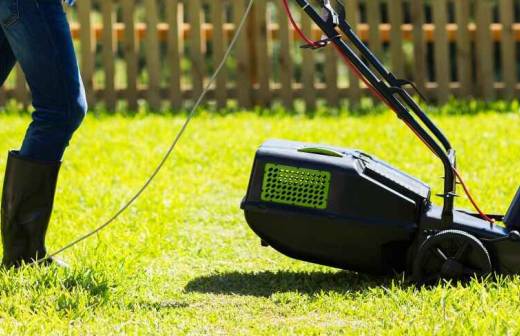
347, 209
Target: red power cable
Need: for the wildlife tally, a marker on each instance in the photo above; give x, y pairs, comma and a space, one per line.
295, 26
378, 95
471, 199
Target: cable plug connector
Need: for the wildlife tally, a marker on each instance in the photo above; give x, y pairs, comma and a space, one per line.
320, 44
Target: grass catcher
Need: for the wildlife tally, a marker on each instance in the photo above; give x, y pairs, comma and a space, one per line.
347, 209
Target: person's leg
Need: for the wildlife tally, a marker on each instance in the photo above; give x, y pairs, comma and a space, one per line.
7, 59
39, 36
41, 42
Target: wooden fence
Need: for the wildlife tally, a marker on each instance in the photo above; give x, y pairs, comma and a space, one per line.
162, 51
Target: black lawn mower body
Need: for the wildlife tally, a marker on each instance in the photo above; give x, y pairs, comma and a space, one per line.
346, 209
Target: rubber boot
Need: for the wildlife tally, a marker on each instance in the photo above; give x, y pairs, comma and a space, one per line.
27, 201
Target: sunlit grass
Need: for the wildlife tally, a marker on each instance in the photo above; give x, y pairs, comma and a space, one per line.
183, 260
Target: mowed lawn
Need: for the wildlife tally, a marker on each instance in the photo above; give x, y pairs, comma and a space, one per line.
183, 260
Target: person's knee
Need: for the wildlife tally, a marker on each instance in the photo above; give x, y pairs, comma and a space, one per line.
78, 111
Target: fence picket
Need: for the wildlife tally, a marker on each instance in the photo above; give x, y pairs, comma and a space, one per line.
508, 48
195, 45
262, 53
217, 13
396, 36
484, 46
153, 63
331, 76
175, 53
464, 57
130, 53
374, 20
309, 68
419, 50
243, 81
442, 55
108, 54
286, 61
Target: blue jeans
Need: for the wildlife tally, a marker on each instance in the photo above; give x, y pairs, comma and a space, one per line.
36, 34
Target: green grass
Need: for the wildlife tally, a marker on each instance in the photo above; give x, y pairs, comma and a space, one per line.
183, 260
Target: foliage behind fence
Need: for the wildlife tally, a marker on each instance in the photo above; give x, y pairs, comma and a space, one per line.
164, 50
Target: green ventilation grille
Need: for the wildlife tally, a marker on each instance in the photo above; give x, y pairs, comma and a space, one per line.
307, 188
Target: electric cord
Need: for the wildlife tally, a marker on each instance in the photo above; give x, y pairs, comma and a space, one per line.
172, 147
296, 27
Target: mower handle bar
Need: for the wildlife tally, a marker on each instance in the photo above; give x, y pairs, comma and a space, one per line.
393, 81
390, 89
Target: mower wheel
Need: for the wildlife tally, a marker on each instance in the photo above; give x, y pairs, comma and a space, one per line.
451, 255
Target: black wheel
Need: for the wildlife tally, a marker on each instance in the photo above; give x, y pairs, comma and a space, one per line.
452, 255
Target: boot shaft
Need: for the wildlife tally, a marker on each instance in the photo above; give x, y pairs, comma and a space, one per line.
27, 202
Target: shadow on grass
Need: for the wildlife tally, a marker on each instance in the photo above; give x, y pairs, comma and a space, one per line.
264, 284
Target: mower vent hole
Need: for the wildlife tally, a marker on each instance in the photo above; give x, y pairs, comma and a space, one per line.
302, 187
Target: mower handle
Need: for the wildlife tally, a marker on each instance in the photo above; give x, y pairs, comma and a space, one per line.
391, 92
388, 76
393, 81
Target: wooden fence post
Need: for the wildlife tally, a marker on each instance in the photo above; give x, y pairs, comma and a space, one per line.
108, 54
219, 42
508, 48
374, 20
442, 55
331, 76
485, 58
396, 36
153, 61
309, 69
243, 71
175, 53
464, 56
130, 51
263, 67
286, 60
250, 29
195, 43
419, 50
